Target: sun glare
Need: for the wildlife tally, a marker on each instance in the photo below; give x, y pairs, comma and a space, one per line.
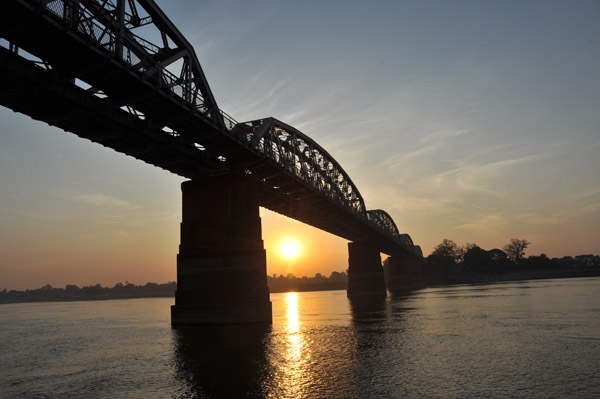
290, 248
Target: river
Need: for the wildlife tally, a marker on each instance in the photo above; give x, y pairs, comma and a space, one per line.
532, 339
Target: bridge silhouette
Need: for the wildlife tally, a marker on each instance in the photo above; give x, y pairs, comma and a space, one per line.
119, 73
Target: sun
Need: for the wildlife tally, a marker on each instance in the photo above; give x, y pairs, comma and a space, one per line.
289, 248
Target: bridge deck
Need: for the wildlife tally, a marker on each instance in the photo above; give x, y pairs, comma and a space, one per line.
199, 146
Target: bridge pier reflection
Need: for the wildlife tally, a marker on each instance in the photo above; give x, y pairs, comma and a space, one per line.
228, 361
365, 274
221, 265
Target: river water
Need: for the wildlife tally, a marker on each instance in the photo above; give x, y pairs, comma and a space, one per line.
536, 339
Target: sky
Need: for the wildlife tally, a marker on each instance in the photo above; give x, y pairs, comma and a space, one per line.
476, 121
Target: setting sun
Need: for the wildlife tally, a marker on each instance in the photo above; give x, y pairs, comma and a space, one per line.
289, 248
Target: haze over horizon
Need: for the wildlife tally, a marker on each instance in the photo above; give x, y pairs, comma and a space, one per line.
473, 121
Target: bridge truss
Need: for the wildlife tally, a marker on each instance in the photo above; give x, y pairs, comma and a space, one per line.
120, 73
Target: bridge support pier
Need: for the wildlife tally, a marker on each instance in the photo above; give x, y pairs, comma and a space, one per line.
221, 265
365, 274
402, 273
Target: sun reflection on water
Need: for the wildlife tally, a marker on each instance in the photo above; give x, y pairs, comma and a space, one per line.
295, 338
295, 366
293, 317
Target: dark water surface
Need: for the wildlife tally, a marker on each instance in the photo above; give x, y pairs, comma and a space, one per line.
513, 340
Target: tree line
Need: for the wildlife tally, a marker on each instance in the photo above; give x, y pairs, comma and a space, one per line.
92, 292
47, 293
336, 281
451, 263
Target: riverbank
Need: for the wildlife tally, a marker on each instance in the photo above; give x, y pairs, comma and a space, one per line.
337, 281
500, 277
284, 284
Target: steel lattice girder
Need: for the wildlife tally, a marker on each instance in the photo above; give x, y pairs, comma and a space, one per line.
301, 157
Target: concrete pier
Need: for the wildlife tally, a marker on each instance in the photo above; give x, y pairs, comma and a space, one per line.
402, 273
221, 265
365, 274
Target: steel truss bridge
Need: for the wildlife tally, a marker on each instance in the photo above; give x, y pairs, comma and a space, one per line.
119, 73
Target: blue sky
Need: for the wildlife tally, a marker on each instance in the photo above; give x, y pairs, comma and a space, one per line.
477, 121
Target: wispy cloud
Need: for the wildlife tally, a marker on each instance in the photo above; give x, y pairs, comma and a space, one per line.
588, 193
102, 200
486, 223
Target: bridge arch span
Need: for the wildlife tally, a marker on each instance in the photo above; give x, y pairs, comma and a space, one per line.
302, 158
383, 221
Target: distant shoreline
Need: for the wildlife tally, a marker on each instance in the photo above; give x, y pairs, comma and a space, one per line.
524, 275
106, 298
72, 293
147, 296
152, 290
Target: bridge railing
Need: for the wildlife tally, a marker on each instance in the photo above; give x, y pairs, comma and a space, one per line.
230, 123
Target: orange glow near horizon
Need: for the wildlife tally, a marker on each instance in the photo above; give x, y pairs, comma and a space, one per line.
294, 247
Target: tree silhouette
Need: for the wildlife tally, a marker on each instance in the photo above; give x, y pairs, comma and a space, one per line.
477, 259
461, 251
515, 250
447, 249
